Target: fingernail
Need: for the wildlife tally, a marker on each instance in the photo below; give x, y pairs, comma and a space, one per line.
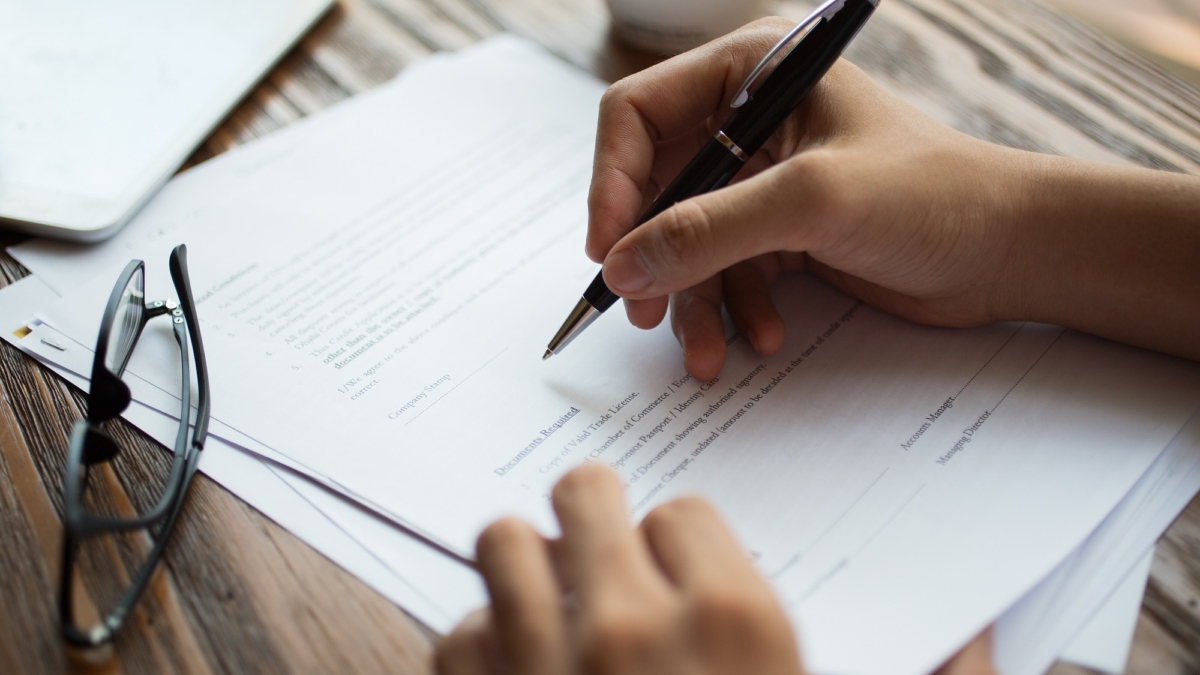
624, 272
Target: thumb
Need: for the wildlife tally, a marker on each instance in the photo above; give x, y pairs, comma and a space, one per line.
699, 237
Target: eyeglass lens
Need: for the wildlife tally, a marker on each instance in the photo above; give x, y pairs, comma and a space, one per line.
126, 322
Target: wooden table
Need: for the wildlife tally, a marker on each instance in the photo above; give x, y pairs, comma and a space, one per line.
238, 594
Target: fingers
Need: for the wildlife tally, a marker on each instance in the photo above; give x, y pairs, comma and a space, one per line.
703, 605
646, 314
696, 315
661, 104
694, 547
599, 551
470, 649
696, 320
748, 297
526, 598
740, 625
790, 207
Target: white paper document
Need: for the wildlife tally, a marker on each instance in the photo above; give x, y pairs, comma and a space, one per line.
1104, 643
1125, 536
439, 590
376, 299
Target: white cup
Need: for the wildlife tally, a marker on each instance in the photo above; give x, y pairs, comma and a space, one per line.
673, 26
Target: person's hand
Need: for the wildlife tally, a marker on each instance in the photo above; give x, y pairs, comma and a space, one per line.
674, 595
883, 202
857, 187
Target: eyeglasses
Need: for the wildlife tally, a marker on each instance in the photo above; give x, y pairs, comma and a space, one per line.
125, 317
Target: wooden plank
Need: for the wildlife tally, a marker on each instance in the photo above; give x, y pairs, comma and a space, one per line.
358, 48
28, 627
1156, 652
1166, 146
426, 22
965, 66
470, 16
1173, 594
1108, 60
262, 601
307, 86
1167, 31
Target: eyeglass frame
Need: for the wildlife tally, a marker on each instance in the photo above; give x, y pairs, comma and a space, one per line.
108, 397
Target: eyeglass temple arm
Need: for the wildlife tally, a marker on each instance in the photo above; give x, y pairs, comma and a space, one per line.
183, 287
113, 619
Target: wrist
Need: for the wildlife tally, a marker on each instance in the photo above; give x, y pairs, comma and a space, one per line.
1009, 201
1040, 210
1105, 249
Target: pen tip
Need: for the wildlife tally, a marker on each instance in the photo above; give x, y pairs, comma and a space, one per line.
547, 355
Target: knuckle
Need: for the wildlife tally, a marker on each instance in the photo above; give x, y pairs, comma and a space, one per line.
616, 638
611, 96
615, 96
822, 172
686, 233
830, 195
746, 614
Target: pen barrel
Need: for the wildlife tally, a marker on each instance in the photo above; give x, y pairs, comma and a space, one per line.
799, 71
712, 168
598, 295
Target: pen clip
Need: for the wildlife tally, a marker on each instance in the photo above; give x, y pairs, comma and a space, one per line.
825, 10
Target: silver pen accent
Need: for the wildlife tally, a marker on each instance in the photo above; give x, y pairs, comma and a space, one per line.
732, 147
580, 318
826, 10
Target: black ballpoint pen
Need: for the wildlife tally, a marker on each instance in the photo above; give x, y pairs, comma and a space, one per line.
831, 27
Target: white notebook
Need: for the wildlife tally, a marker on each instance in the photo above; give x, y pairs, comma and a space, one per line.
102, 101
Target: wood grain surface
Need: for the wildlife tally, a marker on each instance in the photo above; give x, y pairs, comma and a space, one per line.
238, 594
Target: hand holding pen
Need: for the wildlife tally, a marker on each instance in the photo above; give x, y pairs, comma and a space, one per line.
760, 110
866, 192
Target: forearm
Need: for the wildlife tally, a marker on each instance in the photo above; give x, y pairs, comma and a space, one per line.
1109, 250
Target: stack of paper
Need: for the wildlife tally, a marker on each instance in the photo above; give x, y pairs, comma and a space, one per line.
376, 284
